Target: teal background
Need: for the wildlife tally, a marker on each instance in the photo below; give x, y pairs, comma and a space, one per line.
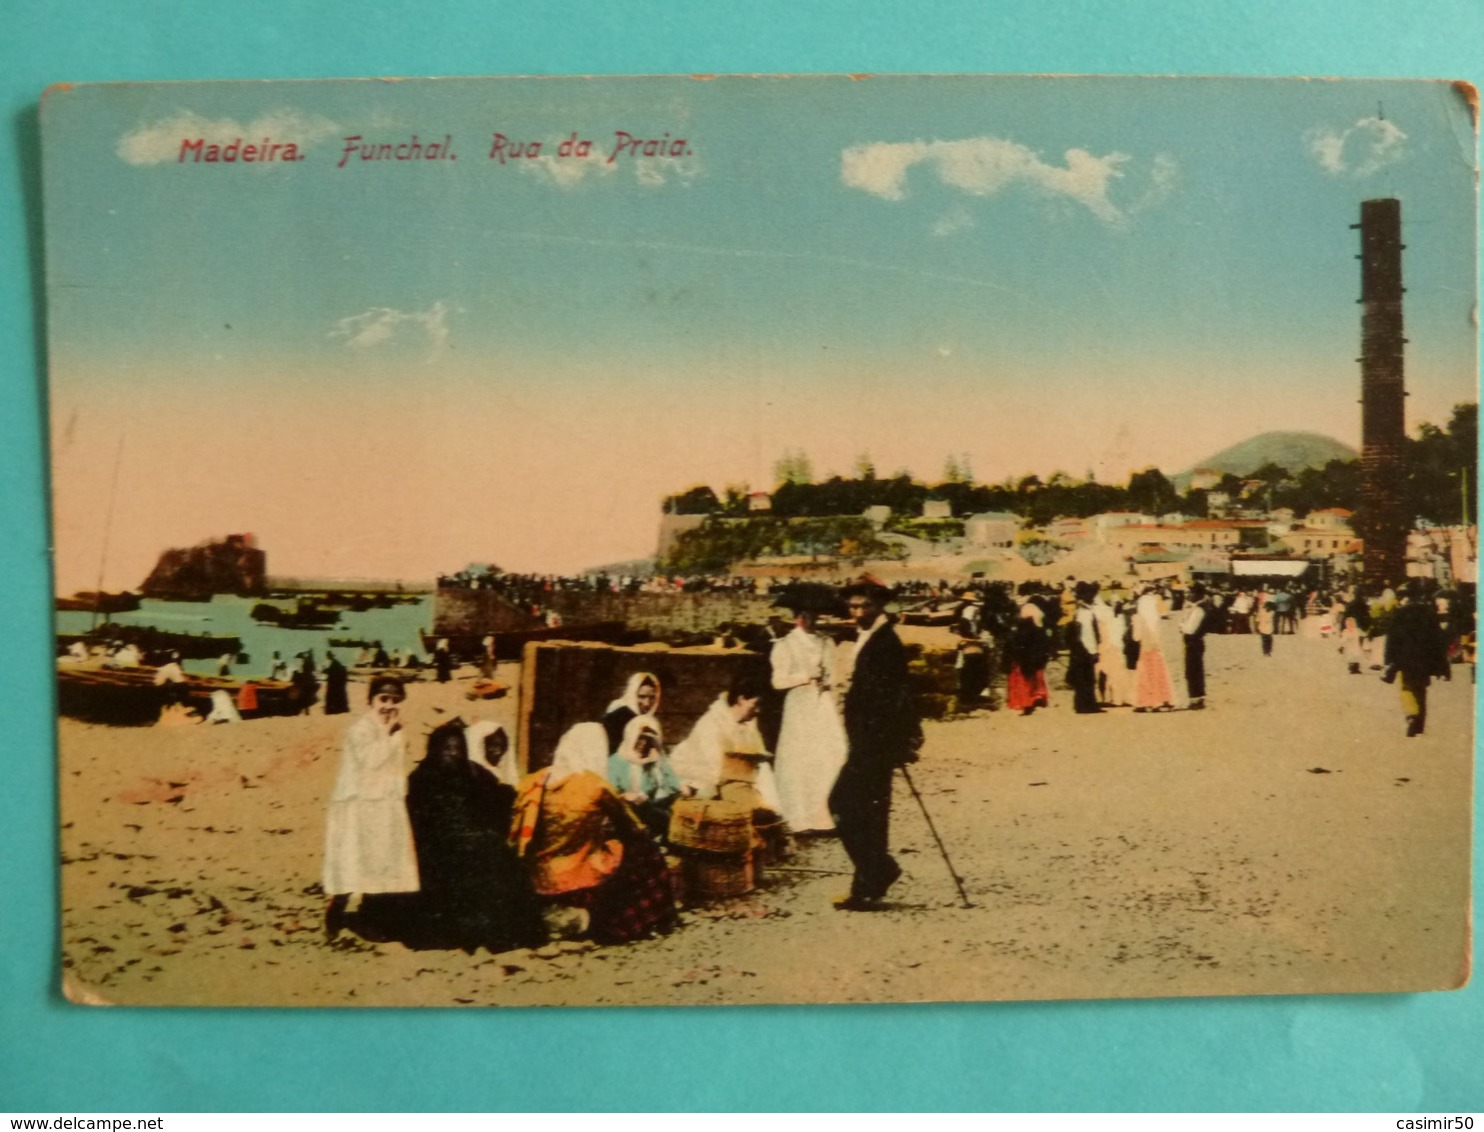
1419, 1053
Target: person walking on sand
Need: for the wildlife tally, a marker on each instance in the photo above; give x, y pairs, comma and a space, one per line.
882, 733
1153, 689
337, 699
1265, 621
368, 837
1027, 651
1193, 628
811, 740
1082, 650
1113, 670
1416, 651
1355, 624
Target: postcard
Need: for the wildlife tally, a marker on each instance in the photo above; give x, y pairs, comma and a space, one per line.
737, 540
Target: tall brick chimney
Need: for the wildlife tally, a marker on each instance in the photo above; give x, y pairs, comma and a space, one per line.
1383, 429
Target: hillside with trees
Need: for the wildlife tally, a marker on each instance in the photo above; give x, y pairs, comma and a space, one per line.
825, 517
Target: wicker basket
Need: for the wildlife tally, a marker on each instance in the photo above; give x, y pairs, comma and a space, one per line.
698, 824
773, 846
710, 876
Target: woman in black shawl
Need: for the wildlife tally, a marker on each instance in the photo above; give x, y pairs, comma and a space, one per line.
337, 701
475, 893
306, 687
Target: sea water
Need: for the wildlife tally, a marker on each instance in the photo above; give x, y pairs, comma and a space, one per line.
229, 616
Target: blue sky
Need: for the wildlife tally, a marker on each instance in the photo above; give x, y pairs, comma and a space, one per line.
1077, 274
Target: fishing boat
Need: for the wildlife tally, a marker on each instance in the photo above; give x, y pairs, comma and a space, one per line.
305, 615
85, 601
367, 671
130, 697
148, 639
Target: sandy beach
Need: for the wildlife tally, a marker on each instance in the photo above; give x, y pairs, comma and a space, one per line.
1288, 839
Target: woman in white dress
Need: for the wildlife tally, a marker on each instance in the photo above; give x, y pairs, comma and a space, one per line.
368, 836
729, 727
811, 742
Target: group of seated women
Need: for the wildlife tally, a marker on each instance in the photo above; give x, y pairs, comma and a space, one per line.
480, 857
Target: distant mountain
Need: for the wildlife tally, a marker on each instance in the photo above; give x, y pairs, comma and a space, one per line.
1292, 450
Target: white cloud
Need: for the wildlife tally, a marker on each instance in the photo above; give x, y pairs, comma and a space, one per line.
160, 142
651, 172
378, 325
564, 172
1164, 176
1359, 150
656, 171
984, 166
954, 221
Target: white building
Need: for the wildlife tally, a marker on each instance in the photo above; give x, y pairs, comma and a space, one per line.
1100, 525
992, 529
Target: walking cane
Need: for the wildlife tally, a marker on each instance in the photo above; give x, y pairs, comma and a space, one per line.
957, 880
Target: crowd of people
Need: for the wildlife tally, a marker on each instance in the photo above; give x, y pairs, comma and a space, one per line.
1115, 647
535, 590
465, 852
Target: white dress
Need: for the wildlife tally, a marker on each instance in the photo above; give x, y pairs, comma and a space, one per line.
368, 837
697, 762
811, 742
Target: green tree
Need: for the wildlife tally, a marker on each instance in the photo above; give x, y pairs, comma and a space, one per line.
699, 500
1151, 492
1443, 469
793, 467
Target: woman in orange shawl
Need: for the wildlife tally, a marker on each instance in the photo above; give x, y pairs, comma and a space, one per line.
586, 849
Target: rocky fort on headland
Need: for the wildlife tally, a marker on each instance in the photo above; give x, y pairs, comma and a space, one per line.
233, 565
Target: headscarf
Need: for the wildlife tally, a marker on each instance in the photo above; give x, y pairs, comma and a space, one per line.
452, 727
628, 749
1032, 612
630, 697
476, 735
583, 748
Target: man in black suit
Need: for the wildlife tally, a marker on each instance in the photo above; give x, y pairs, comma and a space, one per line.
883, 733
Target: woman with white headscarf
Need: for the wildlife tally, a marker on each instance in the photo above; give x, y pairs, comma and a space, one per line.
641, 696
1153, 688
489, 746
585, 849
641, 774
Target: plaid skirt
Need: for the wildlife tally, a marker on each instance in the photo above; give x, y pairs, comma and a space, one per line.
637, 901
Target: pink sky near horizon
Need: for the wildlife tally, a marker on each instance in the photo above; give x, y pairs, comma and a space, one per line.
418, 472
